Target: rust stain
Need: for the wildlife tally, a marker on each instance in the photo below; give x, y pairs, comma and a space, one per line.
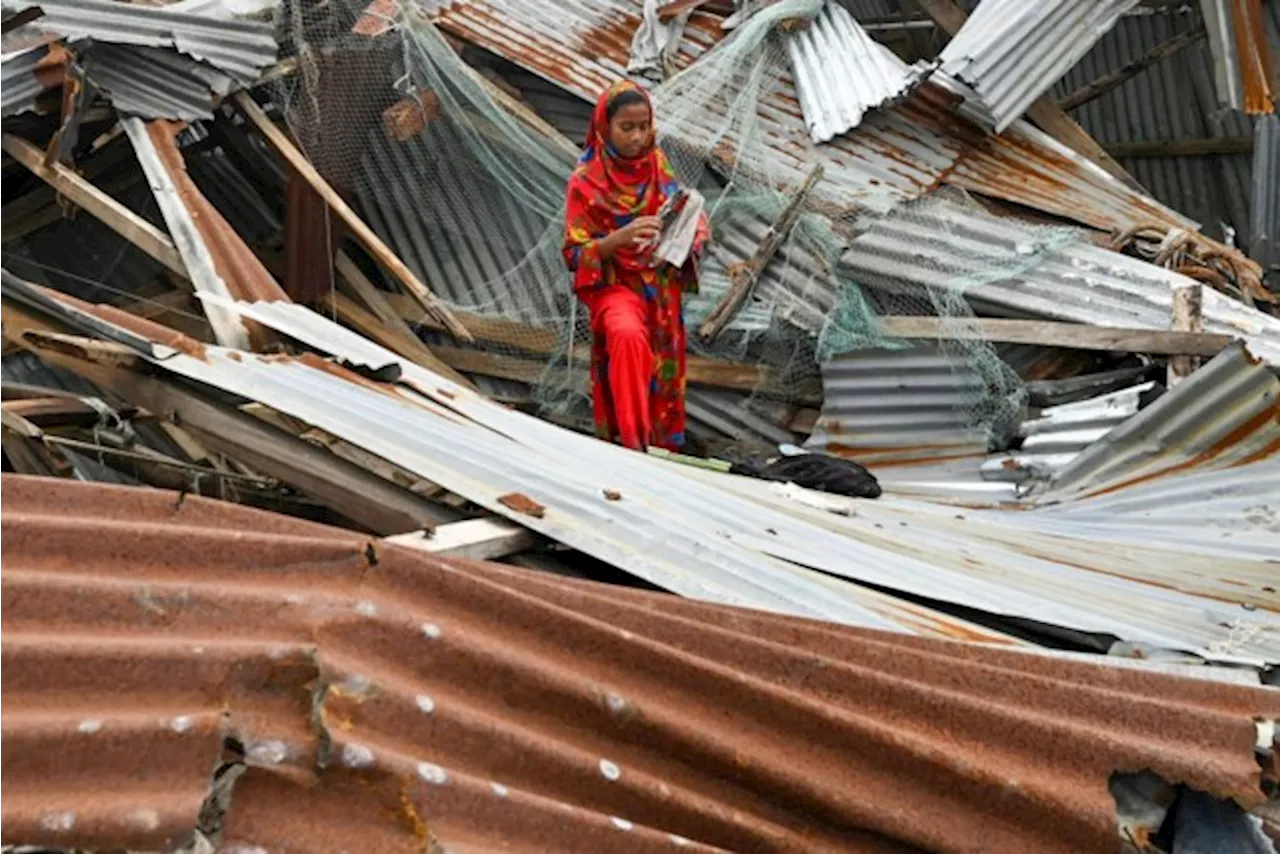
140, 326
521, 503
612, 495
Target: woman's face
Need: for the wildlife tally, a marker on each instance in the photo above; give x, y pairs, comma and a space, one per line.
629, 129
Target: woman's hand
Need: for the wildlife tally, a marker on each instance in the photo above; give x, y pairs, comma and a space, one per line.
640, 231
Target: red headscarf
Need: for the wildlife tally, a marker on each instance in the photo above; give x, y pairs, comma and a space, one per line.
621, 187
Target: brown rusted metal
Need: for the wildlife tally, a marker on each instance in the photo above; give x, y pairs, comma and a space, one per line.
246, 276
1254, 54
386, 700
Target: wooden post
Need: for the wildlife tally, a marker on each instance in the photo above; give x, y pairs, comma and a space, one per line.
1187, 317
362, 232
743, 277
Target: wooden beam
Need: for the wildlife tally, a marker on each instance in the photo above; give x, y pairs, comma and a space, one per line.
383, 324
1051, 118
742, 278
348, 489
22, 18
1189, 320
474, 539
114, 215
1047, 333
1107, 82
382, 253
545, 342
1183, 147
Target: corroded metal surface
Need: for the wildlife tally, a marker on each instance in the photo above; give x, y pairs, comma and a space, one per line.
385, 700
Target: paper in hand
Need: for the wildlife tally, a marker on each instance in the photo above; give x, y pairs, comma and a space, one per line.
676, 241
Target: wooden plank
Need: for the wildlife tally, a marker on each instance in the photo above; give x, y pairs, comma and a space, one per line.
743, 277
1051, 118
114, 215
379, 250
474, 539
1183, 147
1054, 334
1107, 82
1187, 319
348, 489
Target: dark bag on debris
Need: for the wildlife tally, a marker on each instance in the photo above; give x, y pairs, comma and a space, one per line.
817, 471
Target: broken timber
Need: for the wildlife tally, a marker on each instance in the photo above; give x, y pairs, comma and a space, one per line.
744, 276
379, 250
85, 195
384, 325
350, 490
1047, 333
1107, 82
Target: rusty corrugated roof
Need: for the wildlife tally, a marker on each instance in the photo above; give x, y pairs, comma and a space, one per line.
896, 154
383, 699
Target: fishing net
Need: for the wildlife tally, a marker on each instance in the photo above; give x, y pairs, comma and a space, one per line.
431, 152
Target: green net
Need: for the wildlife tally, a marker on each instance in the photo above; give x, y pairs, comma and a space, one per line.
432, 152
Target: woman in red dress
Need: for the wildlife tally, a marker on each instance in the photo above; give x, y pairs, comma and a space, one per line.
611, 228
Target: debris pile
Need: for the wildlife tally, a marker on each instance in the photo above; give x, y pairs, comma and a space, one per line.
974, 399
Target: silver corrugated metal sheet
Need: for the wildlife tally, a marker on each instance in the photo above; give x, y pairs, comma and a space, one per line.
1011, 52
19, 87
152, 83
841, 72
1264, 203
1225, 414
894, 406
1069, 583
1060, 433
1006, 267
674, 534
970, 555
241, 49
1233, 511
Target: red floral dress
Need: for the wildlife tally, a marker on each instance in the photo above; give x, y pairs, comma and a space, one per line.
634, 404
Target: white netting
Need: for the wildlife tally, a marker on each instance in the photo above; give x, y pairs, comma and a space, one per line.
472, 199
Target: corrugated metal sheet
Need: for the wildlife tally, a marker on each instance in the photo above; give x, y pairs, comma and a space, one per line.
1225, 511
216, 258
1242, 62
1060, 433
241, 49
1216, 591
1264, 201
678, 503
895, 154
421, 705
153, 83
1225, 414
1010, 52
25, 74
1004, 266
885, 407
1171, 100
841, 72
